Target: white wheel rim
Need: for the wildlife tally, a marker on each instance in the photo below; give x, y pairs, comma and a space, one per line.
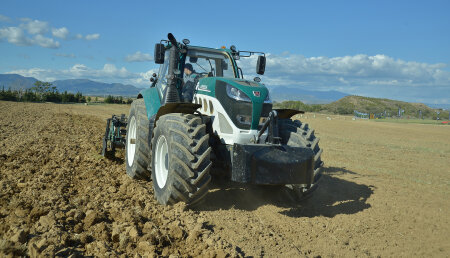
161, 161
131, 141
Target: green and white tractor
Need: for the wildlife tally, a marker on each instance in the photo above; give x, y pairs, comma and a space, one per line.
176, 138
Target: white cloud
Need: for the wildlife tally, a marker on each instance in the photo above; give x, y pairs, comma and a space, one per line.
377, 76
15, 35
108, 73
4, 18
290, 69
92, 36
60, 33
138, 57
144, 77
38, 73
35, 26
34, 32
45, 42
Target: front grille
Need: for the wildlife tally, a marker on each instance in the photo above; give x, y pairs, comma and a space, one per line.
233, 107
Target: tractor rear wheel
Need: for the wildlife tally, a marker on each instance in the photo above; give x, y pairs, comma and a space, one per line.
181, 159
298, 134
137, 151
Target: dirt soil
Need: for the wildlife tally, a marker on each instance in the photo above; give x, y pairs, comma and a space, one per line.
384, 192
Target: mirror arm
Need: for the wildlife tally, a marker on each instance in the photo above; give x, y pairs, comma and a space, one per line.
242, 73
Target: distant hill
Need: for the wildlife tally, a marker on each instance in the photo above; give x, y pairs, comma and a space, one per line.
85, 86
88, 87
283, 93
16, 82
348, 104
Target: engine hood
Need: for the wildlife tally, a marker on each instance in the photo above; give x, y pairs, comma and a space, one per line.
255, 109
257, 92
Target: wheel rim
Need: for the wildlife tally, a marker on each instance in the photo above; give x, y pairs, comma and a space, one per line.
131, 141
161, 161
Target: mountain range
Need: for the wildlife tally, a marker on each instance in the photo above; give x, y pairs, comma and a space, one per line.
89, 87
94, 88
283, 93
85, 86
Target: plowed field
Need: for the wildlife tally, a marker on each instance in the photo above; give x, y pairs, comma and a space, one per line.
385, 192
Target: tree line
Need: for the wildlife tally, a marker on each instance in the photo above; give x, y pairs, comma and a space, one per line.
46, 92
117, 100
41, 92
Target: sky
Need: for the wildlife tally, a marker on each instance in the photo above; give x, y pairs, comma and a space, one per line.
390, 49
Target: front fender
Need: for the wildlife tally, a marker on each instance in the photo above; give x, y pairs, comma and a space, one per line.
152, 101
284, 113
178, 107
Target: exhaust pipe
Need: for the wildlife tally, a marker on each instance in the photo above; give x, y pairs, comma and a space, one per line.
172, 94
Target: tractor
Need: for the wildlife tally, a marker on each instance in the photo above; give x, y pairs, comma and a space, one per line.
181, 129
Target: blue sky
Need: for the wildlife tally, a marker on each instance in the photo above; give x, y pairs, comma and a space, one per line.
391, 49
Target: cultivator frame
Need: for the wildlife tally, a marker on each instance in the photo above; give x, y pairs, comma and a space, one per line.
115, 134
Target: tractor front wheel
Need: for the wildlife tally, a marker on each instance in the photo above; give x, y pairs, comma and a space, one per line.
298, 134
181, 159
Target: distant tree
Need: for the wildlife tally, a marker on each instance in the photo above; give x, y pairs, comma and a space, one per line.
9, 95
109, 99
89, 98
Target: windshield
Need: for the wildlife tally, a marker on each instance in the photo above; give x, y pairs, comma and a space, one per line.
210, 63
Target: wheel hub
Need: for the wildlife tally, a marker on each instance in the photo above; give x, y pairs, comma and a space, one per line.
161, 161
131, 141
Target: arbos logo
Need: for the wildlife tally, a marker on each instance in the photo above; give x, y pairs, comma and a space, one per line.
256, 93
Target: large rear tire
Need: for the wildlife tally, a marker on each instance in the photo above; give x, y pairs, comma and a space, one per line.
137, 151
298, 134
181, 159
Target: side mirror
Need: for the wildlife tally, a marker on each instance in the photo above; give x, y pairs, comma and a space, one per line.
159, 53
261, 65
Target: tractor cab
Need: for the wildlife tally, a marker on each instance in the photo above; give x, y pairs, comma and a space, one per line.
193, 63
202, 63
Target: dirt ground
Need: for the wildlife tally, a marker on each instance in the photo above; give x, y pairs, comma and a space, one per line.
385, 192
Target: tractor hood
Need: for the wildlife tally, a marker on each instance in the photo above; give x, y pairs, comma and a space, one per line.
256, 92
244, 101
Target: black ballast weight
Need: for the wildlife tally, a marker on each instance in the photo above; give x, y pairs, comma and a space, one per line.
268, 164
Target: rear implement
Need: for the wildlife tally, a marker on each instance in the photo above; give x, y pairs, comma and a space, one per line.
115, 133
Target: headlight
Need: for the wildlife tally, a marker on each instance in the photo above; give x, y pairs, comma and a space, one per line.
246, 120
268, 99
237, 94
